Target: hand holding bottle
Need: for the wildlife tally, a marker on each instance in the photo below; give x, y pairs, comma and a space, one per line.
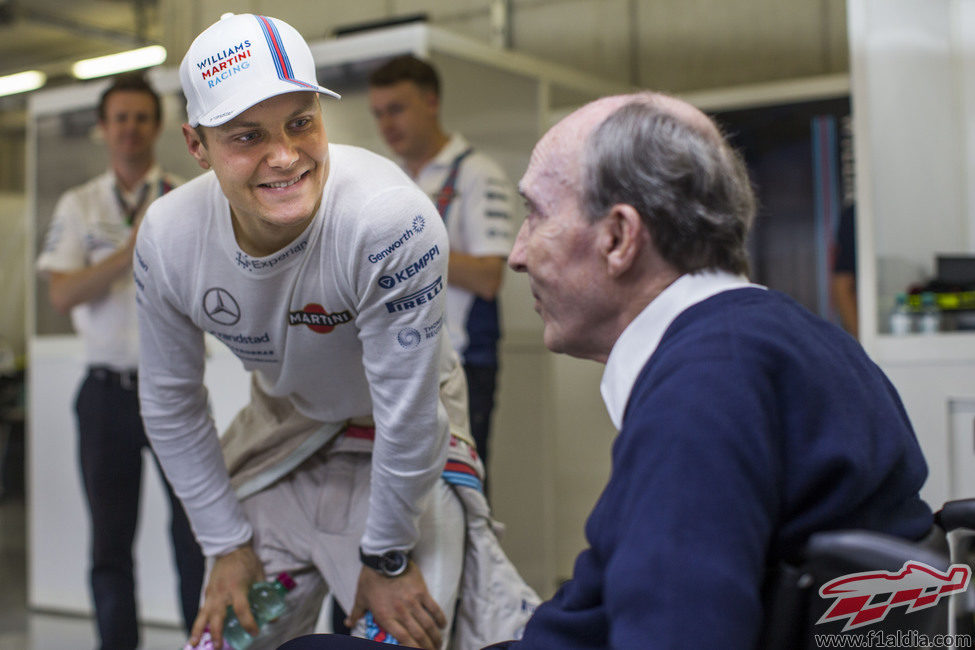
267, 602
229, 579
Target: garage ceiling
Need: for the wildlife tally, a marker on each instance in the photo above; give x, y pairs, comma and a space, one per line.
49, 34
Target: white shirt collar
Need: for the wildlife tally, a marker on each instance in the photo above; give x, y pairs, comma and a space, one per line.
641, 337
455, 146
152, 176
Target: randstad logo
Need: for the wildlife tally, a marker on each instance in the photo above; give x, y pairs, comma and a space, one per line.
226, 63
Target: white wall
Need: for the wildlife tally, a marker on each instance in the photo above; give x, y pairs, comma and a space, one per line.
913, 63
909, 112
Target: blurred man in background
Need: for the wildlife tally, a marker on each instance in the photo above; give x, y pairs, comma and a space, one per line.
87, 259
476, 202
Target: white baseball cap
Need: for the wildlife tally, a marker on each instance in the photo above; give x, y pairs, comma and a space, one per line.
241, 60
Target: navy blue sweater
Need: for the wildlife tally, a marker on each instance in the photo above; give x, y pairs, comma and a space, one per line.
753, 425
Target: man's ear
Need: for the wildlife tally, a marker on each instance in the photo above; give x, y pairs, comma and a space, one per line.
431, 100
196, 147
622, 239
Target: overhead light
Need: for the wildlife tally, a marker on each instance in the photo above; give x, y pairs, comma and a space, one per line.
102, 66
22, 82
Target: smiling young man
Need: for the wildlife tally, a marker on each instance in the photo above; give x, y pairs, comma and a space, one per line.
291, 251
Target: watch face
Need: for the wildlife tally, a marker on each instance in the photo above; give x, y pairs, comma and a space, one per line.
393, 563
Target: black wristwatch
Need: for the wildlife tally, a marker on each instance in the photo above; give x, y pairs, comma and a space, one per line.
390, 563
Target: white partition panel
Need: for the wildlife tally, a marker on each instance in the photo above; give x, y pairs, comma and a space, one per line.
58, 526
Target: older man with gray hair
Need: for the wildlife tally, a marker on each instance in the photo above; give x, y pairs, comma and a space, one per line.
745, 423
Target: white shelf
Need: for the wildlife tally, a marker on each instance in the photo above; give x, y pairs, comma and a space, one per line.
928, 349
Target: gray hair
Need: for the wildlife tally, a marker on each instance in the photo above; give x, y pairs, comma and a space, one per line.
689, 186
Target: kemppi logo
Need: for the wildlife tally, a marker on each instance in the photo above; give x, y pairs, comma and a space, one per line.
390, 281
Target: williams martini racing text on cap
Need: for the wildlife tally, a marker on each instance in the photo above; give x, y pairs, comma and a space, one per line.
240, 61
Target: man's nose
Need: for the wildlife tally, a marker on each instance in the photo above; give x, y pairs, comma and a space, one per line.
283, 153
516, 258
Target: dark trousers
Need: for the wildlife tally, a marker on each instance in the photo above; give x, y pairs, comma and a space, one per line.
111, 439
481, 383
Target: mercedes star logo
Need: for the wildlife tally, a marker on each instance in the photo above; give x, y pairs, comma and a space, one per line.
220, 306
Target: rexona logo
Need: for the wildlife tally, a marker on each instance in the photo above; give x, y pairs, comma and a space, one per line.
916, 586
317, 319
417, 298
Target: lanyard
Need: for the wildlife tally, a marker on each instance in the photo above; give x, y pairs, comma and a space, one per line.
447, 193
130, 212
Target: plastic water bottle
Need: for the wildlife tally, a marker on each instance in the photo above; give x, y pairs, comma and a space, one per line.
901, 318
930, 314
267, 603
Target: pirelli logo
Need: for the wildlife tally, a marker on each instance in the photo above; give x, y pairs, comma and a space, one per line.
417, 298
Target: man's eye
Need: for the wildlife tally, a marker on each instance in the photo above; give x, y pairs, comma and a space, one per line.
246, 137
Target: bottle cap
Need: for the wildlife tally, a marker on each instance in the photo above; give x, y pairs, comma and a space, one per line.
286, 580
